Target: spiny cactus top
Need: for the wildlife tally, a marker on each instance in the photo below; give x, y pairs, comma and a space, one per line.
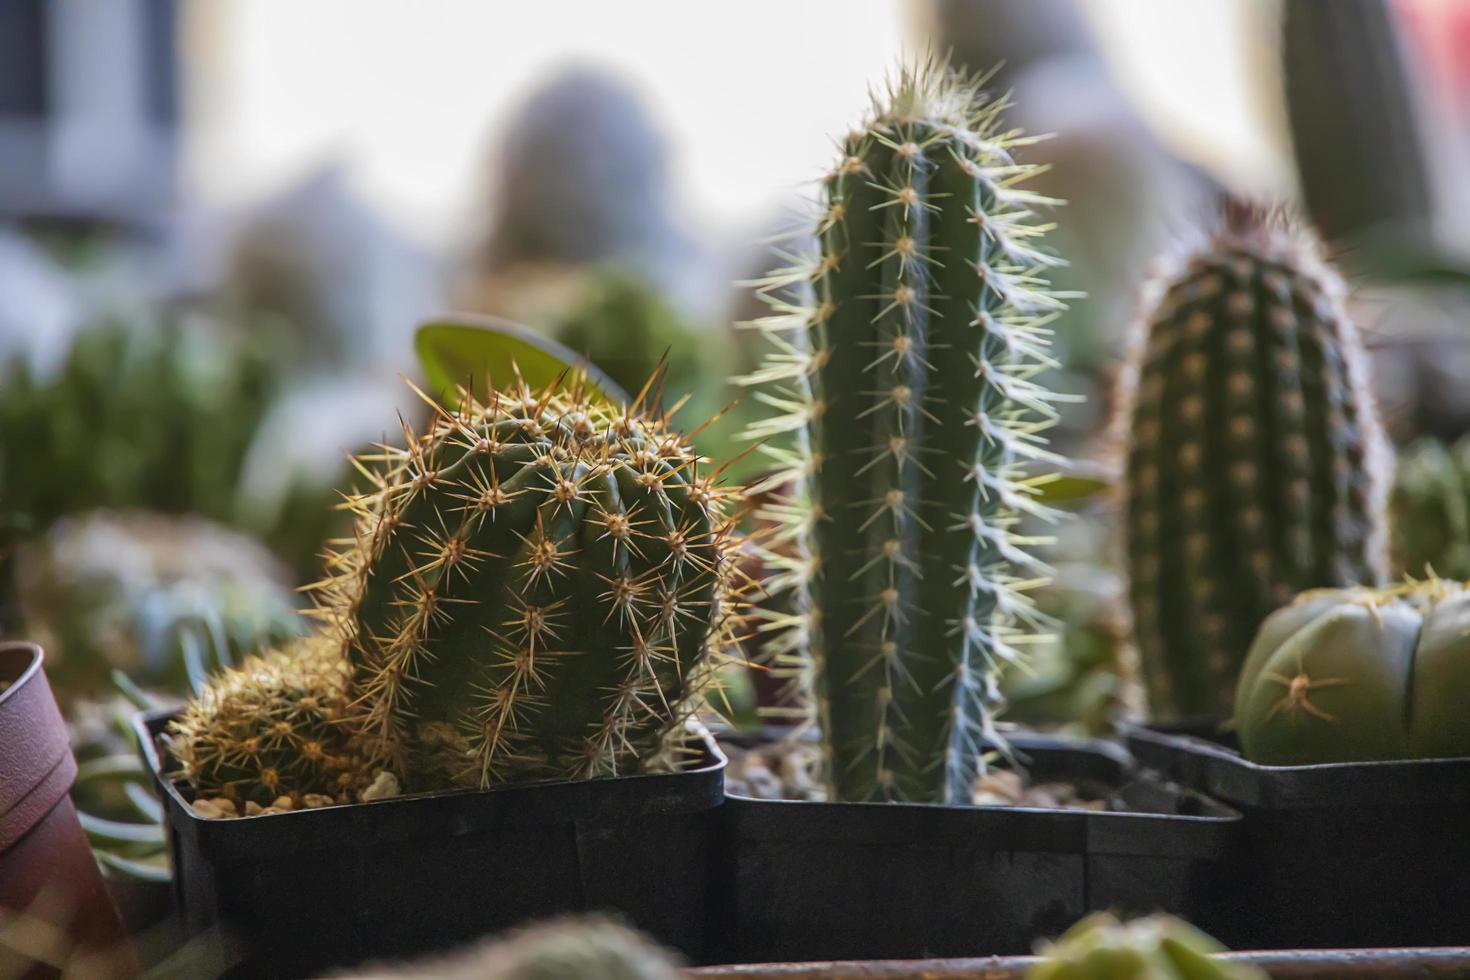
915, 394
1255, 461
534, 589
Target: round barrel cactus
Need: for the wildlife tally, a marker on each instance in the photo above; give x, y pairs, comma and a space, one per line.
533, 592
1352, 675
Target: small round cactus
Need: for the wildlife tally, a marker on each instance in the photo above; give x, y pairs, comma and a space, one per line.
277, 725
534, 591
1353, 675
1158, 947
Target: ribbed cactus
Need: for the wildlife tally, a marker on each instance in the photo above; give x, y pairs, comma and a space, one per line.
1352, 675
277, 725
915, 394
534, 590
1255, 461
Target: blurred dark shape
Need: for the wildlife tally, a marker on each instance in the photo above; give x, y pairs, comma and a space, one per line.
582, 177
1365, 151
344, 285
88, 109
1127, 195
1009, 37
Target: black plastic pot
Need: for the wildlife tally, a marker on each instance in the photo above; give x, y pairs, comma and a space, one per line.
828, 881
1341, 855
305, 891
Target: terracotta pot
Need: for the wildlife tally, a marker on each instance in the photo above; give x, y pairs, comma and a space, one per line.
54, 908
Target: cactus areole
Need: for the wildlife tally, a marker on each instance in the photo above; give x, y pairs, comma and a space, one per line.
914, 392
535, 587
1255, 458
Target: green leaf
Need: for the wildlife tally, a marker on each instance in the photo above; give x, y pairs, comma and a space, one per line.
120, 767
129, 870
144, 802
1080, 481
106, 833
466, 349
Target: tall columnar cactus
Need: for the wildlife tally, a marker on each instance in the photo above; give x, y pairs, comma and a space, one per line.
914, 392
1255, 458
533, 592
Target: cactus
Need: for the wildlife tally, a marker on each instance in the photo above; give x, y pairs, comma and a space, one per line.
1429, 510
534, 590
1352, 675
277, 725
916, 396
587, 948
1159, 947
1254, 457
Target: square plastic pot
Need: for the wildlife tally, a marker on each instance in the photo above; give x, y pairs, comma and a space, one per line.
297, 893
1342, 855
837, 881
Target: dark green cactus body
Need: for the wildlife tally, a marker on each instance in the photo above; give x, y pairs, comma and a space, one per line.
532, 592
1252, 469
918, 404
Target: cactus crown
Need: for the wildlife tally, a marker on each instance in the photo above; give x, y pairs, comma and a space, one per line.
910, 381
534, 589
1253, 458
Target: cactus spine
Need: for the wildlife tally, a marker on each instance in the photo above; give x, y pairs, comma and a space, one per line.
916, 400
1254, 456
533, 592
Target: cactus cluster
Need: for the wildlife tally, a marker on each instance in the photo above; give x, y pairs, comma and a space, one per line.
277, 725
533, 591
1429, 509
1352, 675
916, 396
1254, 455
1159, 947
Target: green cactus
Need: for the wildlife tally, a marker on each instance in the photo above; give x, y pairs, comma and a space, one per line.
917, 399
534, 590
277, 725
1159, 947
586, 948
1352, 675
1429, 510
109, 591
1254, 457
